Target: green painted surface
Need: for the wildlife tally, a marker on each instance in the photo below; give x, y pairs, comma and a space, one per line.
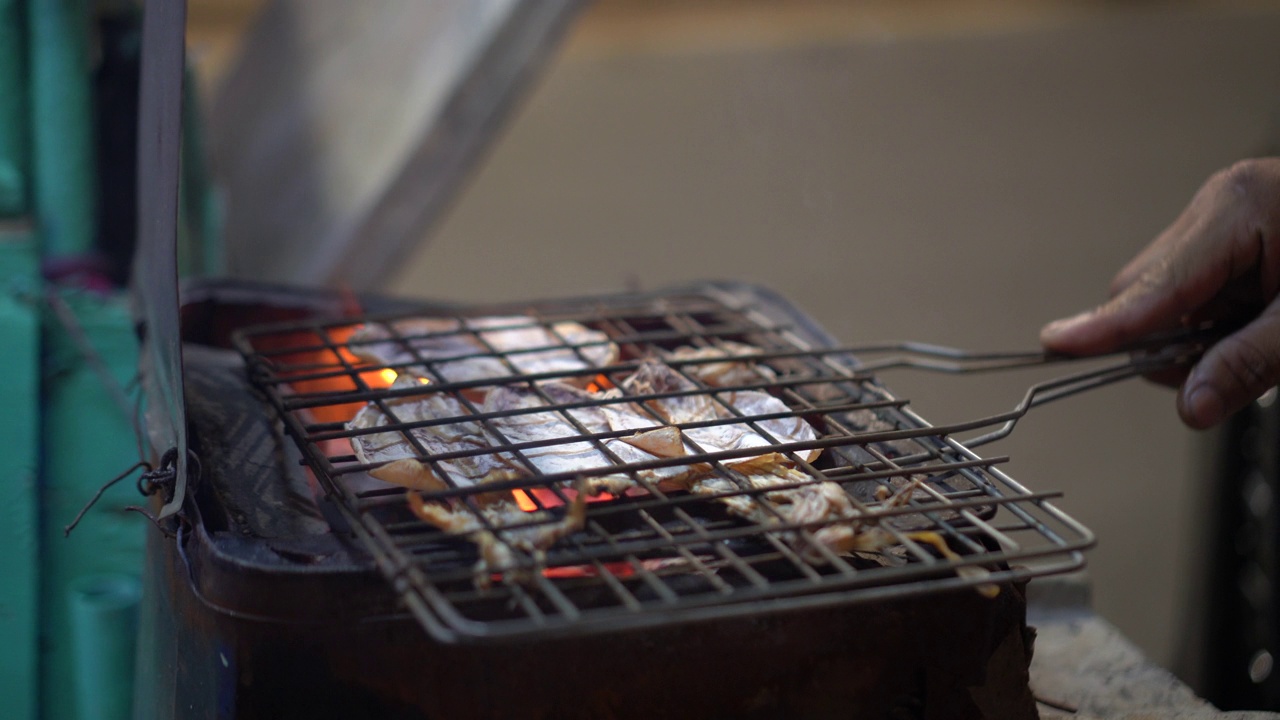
213, 251
104, 628
20, 428
201, 205
87, 440
63, 165
13, 110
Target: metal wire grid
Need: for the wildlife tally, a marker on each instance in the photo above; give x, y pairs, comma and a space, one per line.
667, 556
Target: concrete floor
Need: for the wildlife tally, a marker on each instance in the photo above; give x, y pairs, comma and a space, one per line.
955, 188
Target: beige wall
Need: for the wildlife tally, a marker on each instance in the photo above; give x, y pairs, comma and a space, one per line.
899, 181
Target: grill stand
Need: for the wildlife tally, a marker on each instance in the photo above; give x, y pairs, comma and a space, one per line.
260, 642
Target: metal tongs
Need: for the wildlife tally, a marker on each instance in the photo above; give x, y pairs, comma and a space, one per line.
1160, 351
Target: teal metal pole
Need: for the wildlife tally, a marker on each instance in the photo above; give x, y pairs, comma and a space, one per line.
104, 629
13, 110
88, 438
63, 164
200, 200
19, 496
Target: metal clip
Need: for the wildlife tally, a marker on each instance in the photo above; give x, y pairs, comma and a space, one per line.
153, 480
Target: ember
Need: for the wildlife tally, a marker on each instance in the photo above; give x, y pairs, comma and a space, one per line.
322, 355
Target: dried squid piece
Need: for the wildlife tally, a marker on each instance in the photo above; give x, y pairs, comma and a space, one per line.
498, 547
738, 368
565, 454
464, 347
401, 462
655, 378
791, 496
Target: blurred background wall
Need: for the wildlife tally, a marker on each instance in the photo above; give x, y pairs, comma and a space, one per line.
958, 172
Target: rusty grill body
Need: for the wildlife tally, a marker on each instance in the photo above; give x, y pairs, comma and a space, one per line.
655, 556
296, 588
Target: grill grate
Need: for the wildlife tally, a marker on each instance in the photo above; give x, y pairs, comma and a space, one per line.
922, 511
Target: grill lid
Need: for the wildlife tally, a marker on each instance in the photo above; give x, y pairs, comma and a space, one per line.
330, 178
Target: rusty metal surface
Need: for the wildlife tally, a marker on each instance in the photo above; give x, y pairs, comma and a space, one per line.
300, 643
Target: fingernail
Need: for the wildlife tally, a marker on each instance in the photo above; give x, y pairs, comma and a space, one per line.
1059, 327
1203, 405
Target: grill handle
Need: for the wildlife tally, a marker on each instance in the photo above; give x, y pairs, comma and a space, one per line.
1177, 348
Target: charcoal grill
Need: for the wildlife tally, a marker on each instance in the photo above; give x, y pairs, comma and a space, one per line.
661, 556
294, 586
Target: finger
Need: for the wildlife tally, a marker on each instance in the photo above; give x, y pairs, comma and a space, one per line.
1144, 259
1228, 196
1171, 288
1234, 306
1234, 372
1202, 205
1191, 269
1219, 237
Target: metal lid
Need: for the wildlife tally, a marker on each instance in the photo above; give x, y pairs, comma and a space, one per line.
345, 129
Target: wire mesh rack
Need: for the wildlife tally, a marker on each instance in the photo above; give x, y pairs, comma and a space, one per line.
619, 462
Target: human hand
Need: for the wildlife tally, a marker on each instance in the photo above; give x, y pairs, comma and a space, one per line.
1220, 260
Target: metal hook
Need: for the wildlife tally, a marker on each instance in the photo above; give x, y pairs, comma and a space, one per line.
66, 531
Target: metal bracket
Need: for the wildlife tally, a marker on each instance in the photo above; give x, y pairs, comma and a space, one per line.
155, 274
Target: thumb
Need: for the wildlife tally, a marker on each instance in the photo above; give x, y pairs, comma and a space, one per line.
1233, 372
